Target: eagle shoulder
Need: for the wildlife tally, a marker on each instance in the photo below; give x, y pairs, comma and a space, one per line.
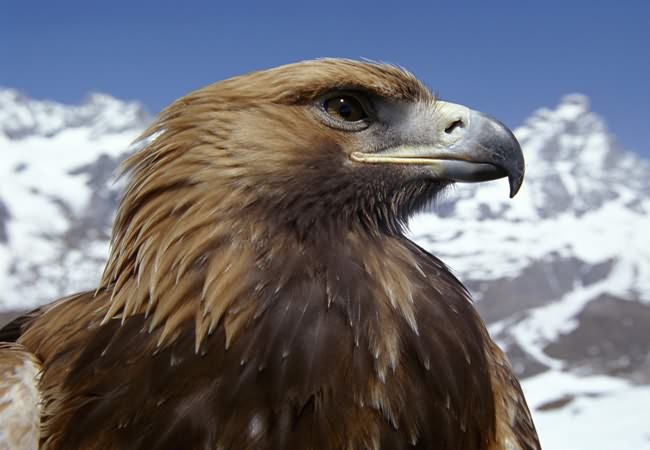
20, 398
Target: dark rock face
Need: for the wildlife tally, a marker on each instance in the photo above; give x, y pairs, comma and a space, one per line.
96, 220
8, 316
541, 282
612, 337
522, 363
557, 403
4, 219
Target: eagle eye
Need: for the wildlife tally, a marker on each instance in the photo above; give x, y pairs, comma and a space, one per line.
345, 107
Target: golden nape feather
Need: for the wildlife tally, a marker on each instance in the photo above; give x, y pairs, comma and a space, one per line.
260, 292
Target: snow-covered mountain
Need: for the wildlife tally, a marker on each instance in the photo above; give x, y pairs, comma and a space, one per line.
57, 191
561, 272
22, 117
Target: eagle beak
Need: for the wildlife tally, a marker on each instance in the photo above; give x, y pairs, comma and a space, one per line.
467, 146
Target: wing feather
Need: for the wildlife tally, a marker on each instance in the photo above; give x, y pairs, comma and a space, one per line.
515, 427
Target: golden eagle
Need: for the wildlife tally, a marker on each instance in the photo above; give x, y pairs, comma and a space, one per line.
260, 292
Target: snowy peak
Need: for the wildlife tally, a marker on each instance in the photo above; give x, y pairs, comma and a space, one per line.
22, 117
573, 166
572, 134
571, 108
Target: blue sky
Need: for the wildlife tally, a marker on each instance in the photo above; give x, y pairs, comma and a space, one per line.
506, 58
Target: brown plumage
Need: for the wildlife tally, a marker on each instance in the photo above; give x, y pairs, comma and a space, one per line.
260, 292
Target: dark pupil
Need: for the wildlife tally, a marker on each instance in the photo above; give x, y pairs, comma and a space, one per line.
345, 110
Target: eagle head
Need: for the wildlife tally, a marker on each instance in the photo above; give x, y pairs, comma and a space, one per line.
328, 143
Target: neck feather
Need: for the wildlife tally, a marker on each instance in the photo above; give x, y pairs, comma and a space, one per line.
192, 261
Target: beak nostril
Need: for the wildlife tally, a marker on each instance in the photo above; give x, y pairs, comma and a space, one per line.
455, 124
